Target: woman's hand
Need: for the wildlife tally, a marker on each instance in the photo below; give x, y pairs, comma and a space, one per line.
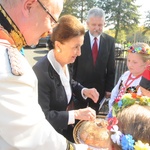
91, 93
85, 114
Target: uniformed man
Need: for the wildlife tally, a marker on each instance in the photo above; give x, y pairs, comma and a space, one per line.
22, 122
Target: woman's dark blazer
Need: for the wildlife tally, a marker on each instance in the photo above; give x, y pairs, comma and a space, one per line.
51, 94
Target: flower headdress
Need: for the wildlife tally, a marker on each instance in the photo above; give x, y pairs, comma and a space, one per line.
127, 100
126, 141
140, 50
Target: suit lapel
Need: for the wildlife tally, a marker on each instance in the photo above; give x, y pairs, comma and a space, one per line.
102, 46
88, 47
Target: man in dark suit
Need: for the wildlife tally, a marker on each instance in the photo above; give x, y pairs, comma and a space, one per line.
98, 73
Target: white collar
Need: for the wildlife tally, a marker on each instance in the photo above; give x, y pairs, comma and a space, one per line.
56, 65
92, 37
65, 78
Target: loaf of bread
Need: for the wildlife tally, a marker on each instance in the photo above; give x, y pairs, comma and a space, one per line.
95, 134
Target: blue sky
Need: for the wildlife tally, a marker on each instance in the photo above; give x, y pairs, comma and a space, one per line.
145, 6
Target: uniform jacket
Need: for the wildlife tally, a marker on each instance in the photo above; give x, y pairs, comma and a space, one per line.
52, 95
22, 121
101, 76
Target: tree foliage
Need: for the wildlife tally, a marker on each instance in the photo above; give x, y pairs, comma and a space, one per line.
78, 8
147, 23
121, 14
138, 36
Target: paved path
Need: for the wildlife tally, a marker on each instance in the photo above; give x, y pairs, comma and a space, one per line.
33, 55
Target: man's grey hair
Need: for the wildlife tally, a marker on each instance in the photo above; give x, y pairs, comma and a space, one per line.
96, 12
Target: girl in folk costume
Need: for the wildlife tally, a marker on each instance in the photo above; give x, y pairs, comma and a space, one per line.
137, 60
130, 118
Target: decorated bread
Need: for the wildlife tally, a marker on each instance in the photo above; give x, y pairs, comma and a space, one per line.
95, 133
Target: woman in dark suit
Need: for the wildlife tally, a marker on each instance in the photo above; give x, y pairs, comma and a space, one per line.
55, 85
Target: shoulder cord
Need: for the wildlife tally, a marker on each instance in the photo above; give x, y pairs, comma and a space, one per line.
14, 59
